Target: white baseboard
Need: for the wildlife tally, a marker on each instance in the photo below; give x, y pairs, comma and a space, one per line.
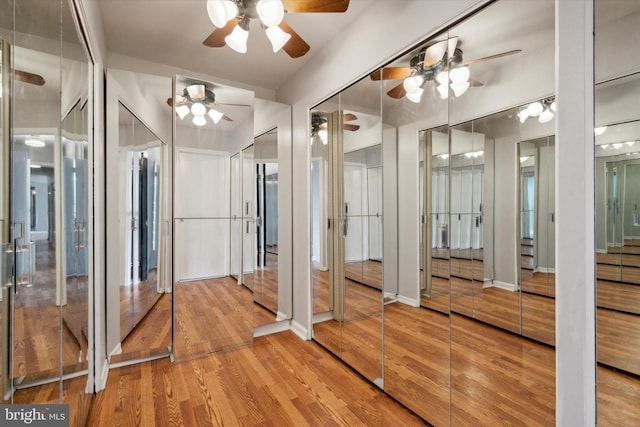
601, 251
545, 270
103, 378
300, 330
281, 316
409, 301
116, 350
322, 317
271, 328
502, 285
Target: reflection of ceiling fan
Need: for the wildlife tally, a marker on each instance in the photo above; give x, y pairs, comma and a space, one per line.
319, 126
232, 19
27, 77
198, 100
440, 62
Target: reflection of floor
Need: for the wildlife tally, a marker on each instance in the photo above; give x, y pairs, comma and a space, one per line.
320, 291
151, 335
211, 315
264, 282
37, 325
280, 380
135, 302
368, 272
538, 283
438, 298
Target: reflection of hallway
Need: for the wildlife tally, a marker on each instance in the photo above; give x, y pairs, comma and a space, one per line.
265, 289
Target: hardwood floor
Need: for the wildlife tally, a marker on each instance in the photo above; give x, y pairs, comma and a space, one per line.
278, 381
264, 282
135, 302
210, 315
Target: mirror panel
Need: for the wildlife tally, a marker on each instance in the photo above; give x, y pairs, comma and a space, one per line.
617, 139
267, 292
142, 192
213, 309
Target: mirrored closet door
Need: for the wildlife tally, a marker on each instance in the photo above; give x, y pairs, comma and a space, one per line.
213, 217
46, 225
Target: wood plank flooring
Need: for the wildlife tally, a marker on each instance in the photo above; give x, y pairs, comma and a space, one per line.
135, 302
264, 282
278, 381
211, 315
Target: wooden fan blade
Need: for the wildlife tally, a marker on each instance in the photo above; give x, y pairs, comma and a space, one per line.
227, 118
232, 105
170, 102
352, 128
216, 39
391, 73
296, 46
434, 53
26, 77
397, 92
497, 55
322, 125
349, 117
475, 83
307, 6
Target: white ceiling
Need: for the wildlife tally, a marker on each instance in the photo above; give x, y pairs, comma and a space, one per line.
171, 32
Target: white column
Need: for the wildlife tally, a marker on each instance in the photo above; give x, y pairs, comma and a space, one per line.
575, 257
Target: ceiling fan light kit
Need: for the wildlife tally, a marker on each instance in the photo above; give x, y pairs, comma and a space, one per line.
232, 18
543, 110
221, 11
440, 62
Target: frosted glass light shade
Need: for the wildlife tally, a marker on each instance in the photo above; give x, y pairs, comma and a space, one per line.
545, 116
413, 83
197, 109
459, 75
415, 96
221, 11
535, 108
182, 111
442, 78
237, 40
196, 92
322, 133
215, 115
460, 88
443, 90
34, 142
199, 120
277, 37
270, 12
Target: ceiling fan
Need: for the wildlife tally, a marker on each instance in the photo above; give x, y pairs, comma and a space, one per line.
232, 19
319, 125
199, 100
440, 62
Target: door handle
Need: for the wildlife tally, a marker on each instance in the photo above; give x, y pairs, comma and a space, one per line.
345, 227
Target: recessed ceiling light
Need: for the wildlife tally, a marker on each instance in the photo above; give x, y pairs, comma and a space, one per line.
34, 142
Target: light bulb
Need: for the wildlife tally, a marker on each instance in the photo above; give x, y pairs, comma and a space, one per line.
413, 83
199, 120
443, 90
182, 111
415, 96
535, 108
237, 40
221, 11
277, 37
271, 12
459, 75
215, 115
460, 88
545, 116
197, 109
